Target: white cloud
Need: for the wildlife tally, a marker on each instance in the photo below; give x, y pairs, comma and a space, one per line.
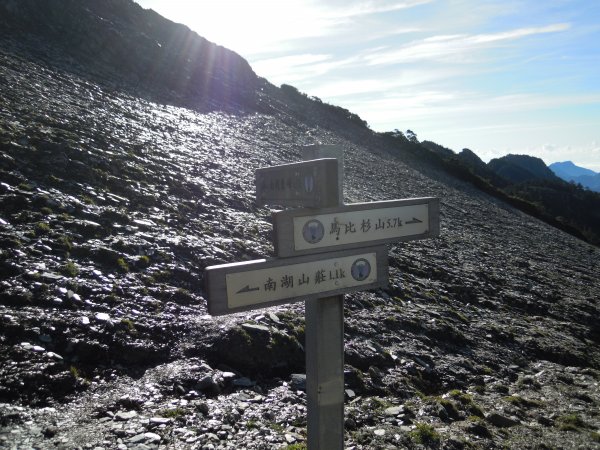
456, 47
296, 69
438, 104
362, 8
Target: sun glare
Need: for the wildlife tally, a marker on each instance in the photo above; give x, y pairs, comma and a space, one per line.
248, 28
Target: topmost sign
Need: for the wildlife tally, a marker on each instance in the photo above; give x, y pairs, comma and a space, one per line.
310, 184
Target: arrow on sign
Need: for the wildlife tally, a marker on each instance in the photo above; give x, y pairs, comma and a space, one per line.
247, 288
310, 231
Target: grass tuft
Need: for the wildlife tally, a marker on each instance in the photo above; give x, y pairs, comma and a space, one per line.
425, 434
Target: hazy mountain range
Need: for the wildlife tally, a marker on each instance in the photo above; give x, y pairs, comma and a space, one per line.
568, 171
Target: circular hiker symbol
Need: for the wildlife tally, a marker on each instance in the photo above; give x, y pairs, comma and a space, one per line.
360, 270
313, 231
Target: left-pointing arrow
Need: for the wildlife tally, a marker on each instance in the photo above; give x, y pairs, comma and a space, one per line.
247, 288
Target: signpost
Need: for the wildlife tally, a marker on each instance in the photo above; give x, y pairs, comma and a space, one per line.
304, 231
324, 250
308, 183
260, 283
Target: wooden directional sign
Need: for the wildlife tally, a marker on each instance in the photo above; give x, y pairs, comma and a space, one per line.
323, 254
304, 231
307, 183
257, 284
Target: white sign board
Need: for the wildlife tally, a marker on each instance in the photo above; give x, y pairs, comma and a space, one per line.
351, 226
256, 284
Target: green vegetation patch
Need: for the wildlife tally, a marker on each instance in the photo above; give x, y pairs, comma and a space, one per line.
41, 228
449, 406
122, 265
466, 400
523, 402
301, 446
461, 397
570, 422
128, 325
143, 261
425, 434
172, 413
378, 404
69, 269
74, 372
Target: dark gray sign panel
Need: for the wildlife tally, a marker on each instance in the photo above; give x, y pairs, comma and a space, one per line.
306, 231
310, 183
257, 284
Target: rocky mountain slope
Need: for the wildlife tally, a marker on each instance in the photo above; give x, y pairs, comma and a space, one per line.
112, 205
129, 48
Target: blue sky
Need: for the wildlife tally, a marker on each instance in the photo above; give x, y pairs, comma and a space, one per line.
497, 77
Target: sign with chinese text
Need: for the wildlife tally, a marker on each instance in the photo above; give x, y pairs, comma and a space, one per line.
303, 231
307, 183
257, 284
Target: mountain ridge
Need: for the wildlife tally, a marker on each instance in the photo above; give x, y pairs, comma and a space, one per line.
568, 171
520, 168
141, 50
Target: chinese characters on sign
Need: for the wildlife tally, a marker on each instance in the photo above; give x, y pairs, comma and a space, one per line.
337, 228
354, 225
260, 283
320, 276
361, 226
296, 280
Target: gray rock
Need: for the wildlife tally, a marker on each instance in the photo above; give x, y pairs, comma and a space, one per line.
256, 328
138, 438
501, 420
102, 317
152, 437
298, 382
244, 382
208, 383
124, 416
393, 410
160, 420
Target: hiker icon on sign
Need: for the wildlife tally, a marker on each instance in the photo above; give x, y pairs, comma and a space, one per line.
313, 231
361, 269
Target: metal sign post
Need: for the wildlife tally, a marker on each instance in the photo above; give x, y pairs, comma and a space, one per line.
324, 339
324, 250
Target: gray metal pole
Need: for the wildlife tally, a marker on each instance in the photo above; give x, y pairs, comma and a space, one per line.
325, 373
324, 346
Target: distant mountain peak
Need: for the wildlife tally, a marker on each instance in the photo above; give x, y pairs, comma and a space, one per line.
569, 171
470, 156
521, 168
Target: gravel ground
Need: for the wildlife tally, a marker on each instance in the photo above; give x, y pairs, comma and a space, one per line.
111, 207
